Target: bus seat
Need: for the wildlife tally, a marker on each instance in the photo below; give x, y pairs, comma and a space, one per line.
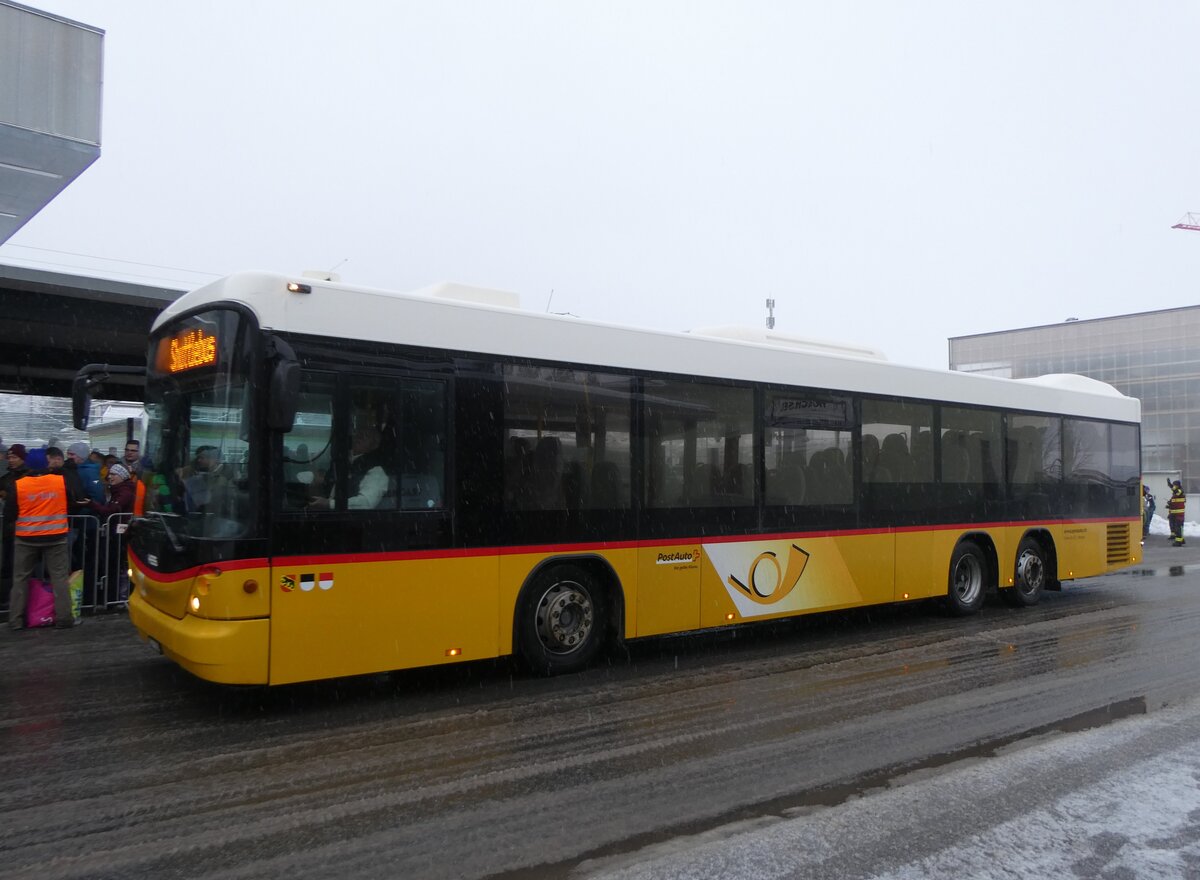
574, 487
1024, 464
606, 485
922, 457
870, 456
973, 444
518, 474
790, 483
895, 459
701, 489
547, 475
736, 483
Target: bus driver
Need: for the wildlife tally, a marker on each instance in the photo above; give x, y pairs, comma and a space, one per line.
368, 481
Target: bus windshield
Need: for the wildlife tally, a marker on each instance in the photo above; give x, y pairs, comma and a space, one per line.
198, 407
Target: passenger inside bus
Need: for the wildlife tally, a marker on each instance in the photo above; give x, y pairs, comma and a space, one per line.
368, 479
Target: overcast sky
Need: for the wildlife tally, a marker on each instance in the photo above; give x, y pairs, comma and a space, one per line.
890, 173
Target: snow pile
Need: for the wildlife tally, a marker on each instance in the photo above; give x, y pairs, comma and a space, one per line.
1159, 526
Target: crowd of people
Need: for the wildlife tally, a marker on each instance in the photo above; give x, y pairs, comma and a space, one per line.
54, 505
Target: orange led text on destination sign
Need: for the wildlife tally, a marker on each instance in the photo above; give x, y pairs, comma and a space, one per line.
192, 349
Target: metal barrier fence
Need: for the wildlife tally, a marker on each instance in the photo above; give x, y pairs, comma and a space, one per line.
98, 550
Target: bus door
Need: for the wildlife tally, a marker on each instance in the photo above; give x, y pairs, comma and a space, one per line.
364, 572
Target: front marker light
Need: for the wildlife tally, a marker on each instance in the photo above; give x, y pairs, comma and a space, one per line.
195, 603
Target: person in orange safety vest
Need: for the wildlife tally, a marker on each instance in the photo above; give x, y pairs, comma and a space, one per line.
42, 504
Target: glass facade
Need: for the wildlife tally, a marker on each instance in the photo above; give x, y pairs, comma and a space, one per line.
1153, 356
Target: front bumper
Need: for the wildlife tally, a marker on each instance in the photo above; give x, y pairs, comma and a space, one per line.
224, 651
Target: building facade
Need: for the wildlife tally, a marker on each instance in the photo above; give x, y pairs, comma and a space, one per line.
1153, 356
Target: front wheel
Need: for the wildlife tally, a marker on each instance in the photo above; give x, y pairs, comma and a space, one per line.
561, 620
1029, 577
965, 592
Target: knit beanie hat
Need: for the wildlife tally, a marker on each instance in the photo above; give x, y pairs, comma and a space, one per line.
80, 450
18, 449
119, 470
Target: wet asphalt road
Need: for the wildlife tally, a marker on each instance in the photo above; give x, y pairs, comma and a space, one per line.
115, 763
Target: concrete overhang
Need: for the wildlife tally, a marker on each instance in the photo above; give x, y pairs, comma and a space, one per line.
51, 79
52, 324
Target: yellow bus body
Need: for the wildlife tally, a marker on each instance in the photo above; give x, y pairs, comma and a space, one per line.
300, 620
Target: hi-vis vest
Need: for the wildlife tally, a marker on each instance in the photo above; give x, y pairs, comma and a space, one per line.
41, 506
1177, 501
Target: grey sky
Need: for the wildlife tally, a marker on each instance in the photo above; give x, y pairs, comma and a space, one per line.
892, 174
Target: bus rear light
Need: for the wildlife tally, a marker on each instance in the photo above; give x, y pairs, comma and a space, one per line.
904, 595
250, 586
453, 652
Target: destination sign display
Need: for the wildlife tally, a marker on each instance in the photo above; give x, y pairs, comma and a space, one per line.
187, 350
813, 412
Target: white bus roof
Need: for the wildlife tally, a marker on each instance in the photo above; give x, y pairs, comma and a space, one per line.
465, 319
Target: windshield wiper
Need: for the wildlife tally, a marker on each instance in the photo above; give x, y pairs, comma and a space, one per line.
176, 544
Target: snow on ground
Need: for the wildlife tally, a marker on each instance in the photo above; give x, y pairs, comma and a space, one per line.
1159, 526
1041, 807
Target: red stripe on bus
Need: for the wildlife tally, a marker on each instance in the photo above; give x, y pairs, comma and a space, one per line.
189, 573
473, 552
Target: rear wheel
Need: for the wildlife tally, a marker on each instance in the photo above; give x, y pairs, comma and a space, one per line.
561, 620
1029, 577
967, 577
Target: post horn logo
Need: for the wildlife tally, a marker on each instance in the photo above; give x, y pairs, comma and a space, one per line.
761, 588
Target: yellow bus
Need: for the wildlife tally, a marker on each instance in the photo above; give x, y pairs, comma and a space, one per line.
342, 480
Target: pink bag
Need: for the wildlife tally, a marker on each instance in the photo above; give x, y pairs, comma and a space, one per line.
39, 610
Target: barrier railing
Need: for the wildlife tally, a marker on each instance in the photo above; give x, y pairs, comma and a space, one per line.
97, 547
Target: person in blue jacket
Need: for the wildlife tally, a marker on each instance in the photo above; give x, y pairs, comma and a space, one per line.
88, 470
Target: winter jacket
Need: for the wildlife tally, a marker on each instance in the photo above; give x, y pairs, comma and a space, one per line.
89, 476
120, 500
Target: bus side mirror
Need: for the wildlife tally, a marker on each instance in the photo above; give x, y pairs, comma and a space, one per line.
285, 396
91, 379
81, 402
284, 389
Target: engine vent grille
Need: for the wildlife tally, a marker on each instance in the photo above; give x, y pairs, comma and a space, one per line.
1118, 544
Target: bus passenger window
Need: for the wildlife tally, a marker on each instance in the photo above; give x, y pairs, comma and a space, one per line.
566, 439
807, 448
897, 442
699, 445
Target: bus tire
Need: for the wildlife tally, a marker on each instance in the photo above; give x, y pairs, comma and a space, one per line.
1029, 574
561, 620
968, 572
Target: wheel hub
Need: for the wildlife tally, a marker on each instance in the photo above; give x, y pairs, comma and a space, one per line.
564, 618
968, 579
1031, 570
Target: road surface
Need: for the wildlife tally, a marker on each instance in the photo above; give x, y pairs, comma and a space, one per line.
116, 763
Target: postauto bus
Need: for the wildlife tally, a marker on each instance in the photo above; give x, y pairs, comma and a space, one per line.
345, 480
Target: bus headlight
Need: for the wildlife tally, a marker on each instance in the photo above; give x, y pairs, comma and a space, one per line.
195, 603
